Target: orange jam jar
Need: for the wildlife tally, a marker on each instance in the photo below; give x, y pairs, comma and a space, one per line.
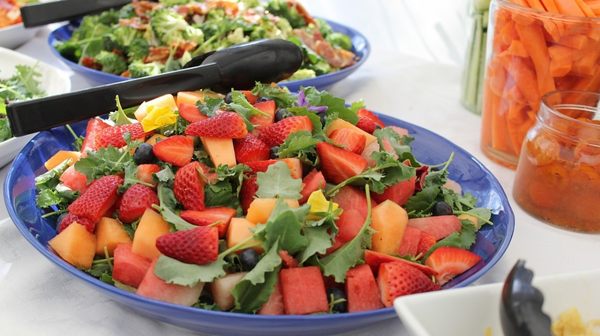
558, 172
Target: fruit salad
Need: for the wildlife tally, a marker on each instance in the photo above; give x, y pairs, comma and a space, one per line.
259, 202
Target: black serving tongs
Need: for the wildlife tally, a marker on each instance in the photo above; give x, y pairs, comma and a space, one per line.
238, 67
39, 14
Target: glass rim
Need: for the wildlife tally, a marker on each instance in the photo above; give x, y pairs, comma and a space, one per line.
537, 12
556, 113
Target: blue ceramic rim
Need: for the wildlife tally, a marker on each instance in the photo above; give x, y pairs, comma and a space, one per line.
373, 316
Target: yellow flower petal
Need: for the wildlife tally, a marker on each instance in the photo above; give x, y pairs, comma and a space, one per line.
318, 203
157, 117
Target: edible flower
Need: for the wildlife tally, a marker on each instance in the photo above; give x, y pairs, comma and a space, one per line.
158, 117
319, 204
302, 102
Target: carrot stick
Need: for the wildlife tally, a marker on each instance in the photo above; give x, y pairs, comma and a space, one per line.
490, 103
585, 65
560, 60
584, 8
594, 6
515, 95
550, 6
496, 77
573, 41
536, 47
515, 119
524, 77
568, 7
517, 49
500, 136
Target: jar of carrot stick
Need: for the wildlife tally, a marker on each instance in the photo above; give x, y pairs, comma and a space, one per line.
535, 46
558, 172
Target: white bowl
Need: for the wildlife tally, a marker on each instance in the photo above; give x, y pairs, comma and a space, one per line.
15, 35
52, 81
471, 310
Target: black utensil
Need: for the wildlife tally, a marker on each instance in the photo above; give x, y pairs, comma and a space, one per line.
521, 305
39, 14
238, 67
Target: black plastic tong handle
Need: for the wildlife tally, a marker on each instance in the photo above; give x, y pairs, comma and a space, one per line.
40, 14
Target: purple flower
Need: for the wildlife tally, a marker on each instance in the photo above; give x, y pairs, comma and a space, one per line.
302, 102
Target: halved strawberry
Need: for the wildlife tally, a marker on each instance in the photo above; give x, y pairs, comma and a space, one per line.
135, 201
396, 279
251, 98
366, 113
260, 121
97, 199
451, 261
425, 243
145, 173
353, 140
338, 164
275, 134
190, 113
177, 150
94, 127
376, 259
228, 125
198, 246
366, 124
71, 218
188, 186
113, 136
247, 193
208, 216
250, 149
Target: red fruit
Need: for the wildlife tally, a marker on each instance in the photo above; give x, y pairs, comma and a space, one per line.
366, 124
209, 216
396, 279
129, 268
145, 173
190, 113
135, 201
362, 290
99, 197
425, 243
410, 241
70, 218
275, 134
303, 290
248, 193
437, 226
113, 136
188, 186
288, 260
450, 262
338, 164
94, 127
251, 98
366, 113
198, 246
353, 140
397, 193
376, 259
228, 125
177, 150
250, 149
275, 304
312, 182
260, 121
153, 287
74, 180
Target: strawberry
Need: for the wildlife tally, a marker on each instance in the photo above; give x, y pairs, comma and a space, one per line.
376, 259
249, 96
190, 113
250, 149
451, 261
135, 201
188, 186
396, 279
94, 127
259, 166
338, 164
223, 125
366, 113
198, 246
353, 140
275, 134
97, 199
113, 136
260, 121
145, 173
366, 124
247, 193
209, 216
177, 150
425, 243
70, 219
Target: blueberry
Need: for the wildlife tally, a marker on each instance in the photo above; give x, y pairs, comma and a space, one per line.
337, 294
143, 154
377, 126
273, 152
282, 114
263, 99
60, 219
249, 259
441, 209
228, 98
322, 116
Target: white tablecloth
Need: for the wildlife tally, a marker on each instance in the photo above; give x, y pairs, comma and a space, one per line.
413, 74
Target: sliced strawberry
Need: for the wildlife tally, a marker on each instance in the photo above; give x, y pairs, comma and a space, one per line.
288, 260
145, 173
94, 127
191, 113
338, 164
351, 139
74, 180
425, 243
135, 201
113, 136
198, 246
251, 98
250, 149
97, 199
396, 279
366, 113
188, 186
451, 261
248, 193
376, 259
260, 121
177, 150
220, 215
275, 134
71, 218
311, 183
366, 124
229, 125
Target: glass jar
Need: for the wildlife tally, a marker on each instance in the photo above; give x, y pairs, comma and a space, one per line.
558, 173
530, 53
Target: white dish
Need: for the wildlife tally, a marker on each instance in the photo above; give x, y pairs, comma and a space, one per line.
14, 35
471, 310
52, 81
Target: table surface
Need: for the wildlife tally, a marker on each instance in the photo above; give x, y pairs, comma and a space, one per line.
413, 73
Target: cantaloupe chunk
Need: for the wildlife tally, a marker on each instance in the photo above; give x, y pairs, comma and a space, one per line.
109, 233
341, 123
60, 157
191, 97
239, 230
389, 220
220, 150
162, 101
221, 290
261, 208
75, 245
155, 138
295, 166
470, 218
151, 226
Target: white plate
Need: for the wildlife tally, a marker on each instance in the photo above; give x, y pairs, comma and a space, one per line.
471, 310
14, 35
52, 81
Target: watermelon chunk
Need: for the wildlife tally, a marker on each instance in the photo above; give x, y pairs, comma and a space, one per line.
437, 226
129, 268
410, 241
153, 287
361, 289
275, 304
303, 290
312, 182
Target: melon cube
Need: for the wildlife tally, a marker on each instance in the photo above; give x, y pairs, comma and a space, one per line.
192, 97
60, 157
220, 150
221, 290
303, 290
341, 123
109, 233
128, 267
362, 290
261, 208
151, 226
76, 245
238, 231
153, 287
389, 220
